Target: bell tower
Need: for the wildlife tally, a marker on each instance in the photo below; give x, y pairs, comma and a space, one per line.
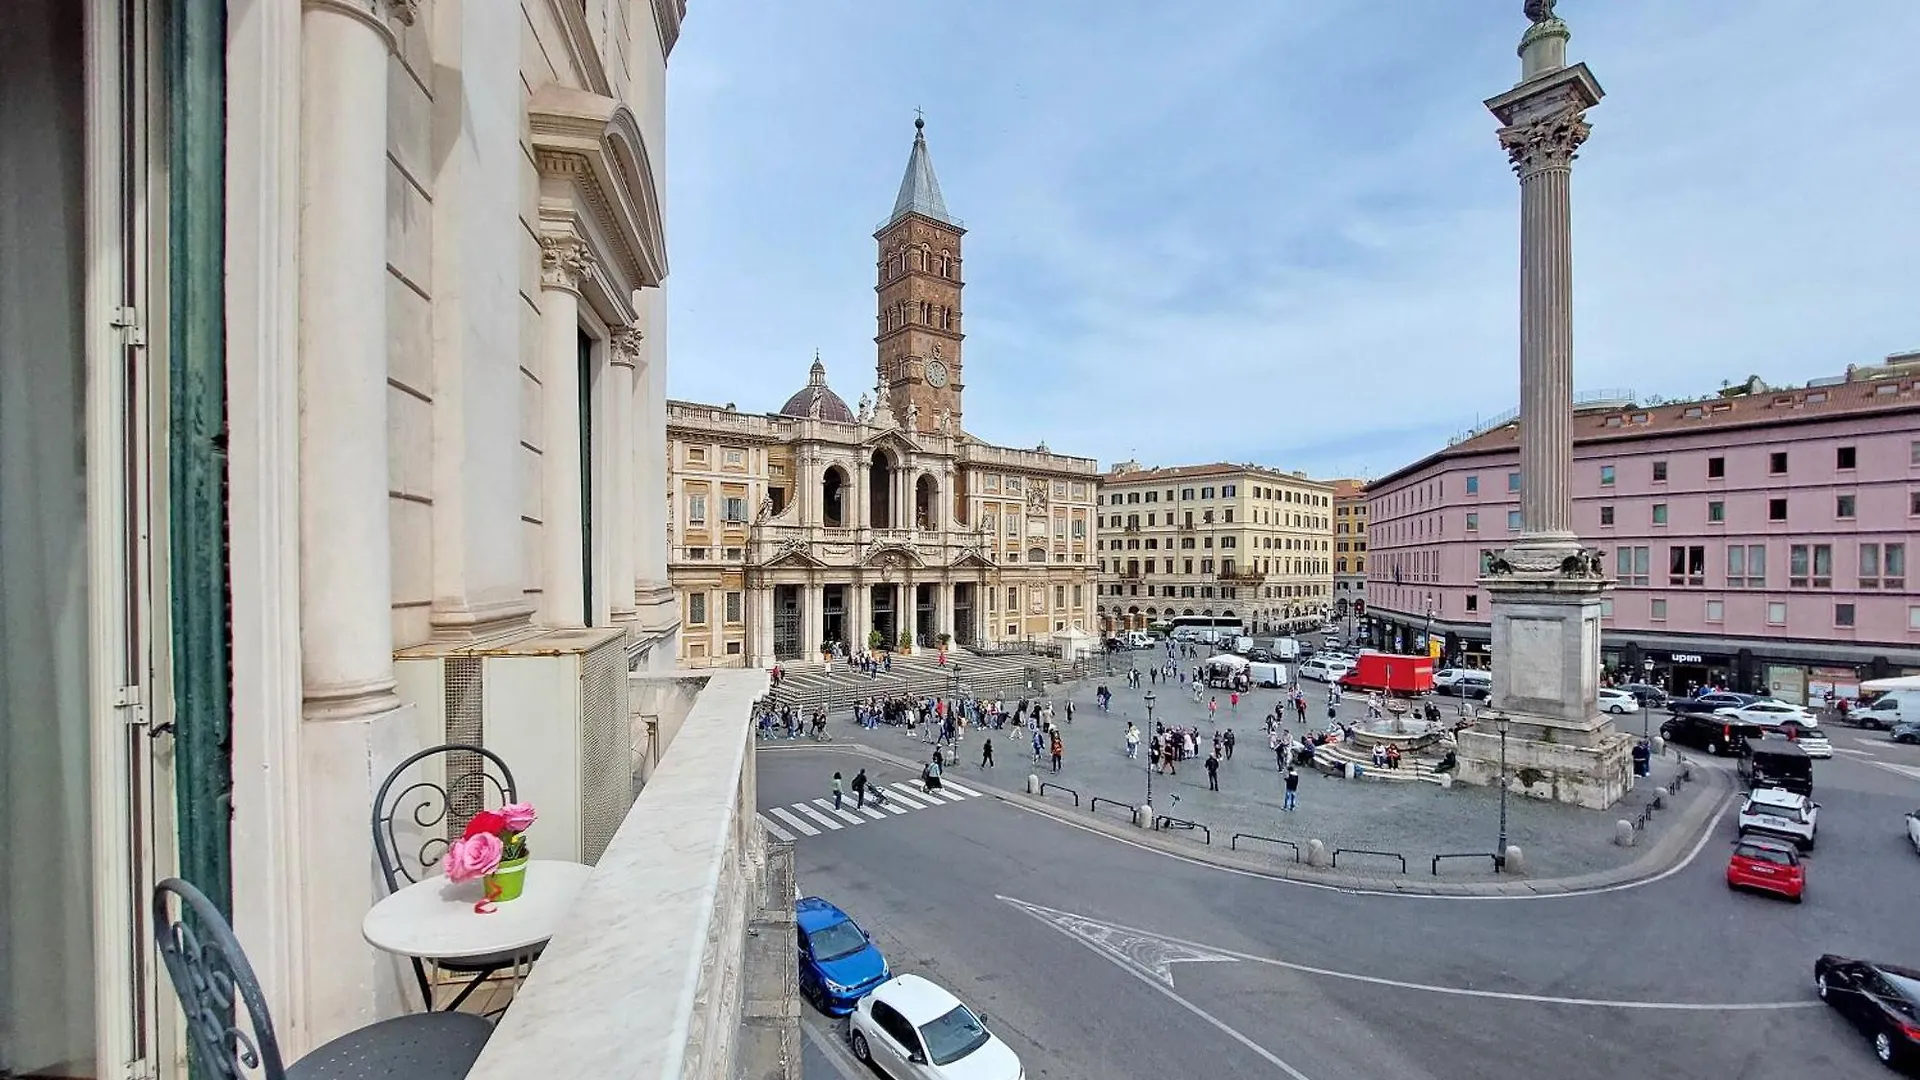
918, 293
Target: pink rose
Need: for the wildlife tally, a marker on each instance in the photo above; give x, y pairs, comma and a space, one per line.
518, 816
473, 857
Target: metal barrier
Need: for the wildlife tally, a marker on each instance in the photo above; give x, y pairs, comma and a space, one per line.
1098, 799
1337, 852
1466, 855
1163, 823
1062, 787
1645, 815
1234, 842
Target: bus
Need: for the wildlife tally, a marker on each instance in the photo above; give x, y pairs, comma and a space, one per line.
1222, 625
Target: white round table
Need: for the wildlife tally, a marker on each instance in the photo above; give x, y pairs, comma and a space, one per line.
434, 919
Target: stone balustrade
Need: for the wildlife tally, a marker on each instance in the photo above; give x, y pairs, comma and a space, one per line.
647, 976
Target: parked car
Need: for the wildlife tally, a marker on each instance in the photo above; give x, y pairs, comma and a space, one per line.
1767, 865
1708, 702
1780, 813
1324, 668
1714, 734
1907, 731
911, 1029
1882, 1000
1648, 695
1618, 701
1463, 682
1766, 712
838, 961
1913, 830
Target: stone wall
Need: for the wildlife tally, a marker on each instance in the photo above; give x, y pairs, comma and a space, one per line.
1594, 777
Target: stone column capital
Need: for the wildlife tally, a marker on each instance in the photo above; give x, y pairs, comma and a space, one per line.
566, 262
625, 346
1546, 142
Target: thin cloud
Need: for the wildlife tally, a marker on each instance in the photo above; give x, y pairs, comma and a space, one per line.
1286, 233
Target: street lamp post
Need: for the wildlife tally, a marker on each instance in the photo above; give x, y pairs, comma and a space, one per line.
1646, 711
1500, 855
1148, 698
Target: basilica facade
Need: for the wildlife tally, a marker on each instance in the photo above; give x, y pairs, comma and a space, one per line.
823, 529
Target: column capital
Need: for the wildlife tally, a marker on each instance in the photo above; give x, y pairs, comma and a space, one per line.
565, 261
1547, 142
625, 346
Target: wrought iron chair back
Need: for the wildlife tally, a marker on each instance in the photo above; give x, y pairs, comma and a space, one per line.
211, 975
430, 815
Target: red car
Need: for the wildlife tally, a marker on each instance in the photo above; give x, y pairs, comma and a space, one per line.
1768, 865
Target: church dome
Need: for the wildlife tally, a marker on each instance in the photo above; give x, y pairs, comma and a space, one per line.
831, 406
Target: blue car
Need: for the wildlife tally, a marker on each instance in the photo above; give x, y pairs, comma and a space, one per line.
838, 961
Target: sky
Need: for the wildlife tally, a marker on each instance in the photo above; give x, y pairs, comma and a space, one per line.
1286, 234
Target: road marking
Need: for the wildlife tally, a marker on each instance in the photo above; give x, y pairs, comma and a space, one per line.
1851, 750
870, 812
1085, 929
1911, 772
912, 796
774, 831
833, 1047
890, 806
950, 796
1159, 951
963, 789
818, 816
784, 815
827, 806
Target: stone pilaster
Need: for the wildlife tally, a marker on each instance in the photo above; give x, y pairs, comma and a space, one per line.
565, 264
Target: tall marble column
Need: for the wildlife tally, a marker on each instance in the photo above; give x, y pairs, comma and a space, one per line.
813, 612
565, 264
623, 359
857, 514
1543, 124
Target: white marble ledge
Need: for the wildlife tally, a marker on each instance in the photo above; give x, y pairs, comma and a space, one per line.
613, 995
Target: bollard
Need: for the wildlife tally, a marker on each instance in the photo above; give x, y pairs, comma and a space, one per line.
1317, 853
1033, 784
1515, 861
1143, 815
1623, 832
1659, 746
1446, 779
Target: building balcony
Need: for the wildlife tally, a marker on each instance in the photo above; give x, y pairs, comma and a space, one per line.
676, 960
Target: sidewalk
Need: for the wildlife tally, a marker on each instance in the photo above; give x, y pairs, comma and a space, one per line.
1413, 819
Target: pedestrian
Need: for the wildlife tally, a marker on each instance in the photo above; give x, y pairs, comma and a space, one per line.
1233, 700
1293, 784
986, 753
1133, 741
1279, 748
860, 789
1039, 743
1229, 742
1058, 748
930, 775
836, 791
1213, 773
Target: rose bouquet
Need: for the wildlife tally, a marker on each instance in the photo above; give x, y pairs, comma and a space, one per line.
494, 848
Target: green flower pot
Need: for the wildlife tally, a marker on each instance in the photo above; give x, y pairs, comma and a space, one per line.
509, 879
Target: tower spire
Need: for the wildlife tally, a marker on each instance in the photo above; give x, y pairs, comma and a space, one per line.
919, 189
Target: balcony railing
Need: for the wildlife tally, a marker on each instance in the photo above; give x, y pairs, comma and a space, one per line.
644, 976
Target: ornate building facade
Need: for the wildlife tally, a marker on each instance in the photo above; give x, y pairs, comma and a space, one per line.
823, 527
1231, 541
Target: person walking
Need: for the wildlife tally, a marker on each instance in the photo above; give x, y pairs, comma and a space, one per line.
836, 791
1133, 741
1229, 743
1039, 743
860, 789
1213, 772
1279, 749
1058, 749
1293, 785
986, 753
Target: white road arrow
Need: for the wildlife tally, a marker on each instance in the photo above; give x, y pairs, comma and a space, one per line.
1148, 953
1911, 772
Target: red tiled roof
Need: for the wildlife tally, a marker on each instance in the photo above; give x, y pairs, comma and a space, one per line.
1154, 473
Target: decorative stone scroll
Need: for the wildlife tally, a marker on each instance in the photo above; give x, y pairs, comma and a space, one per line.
625, 346
1550, 142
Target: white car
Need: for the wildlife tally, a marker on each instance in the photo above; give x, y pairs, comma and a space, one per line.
913, 1030
1787, 814
1614, 701
1769, 714
1913, 829
1325, 668
1811, 737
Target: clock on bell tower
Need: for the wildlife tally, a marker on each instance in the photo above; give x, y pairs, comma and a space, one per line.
918, 295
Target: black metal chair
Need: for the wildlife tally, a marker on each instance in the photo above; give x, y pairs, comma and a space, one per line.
440, 813
211, 975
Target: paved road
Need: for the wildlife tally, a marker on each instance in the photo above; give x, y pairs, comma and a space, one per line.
1061, 936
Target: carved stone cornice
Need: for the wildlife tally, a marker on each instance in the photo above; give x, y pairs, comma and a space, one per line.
593, 162
566, 262
1549, 142
626, 344
666, 18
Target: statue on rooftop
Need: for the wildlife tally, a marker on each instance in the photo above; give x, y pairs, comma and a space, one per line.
1539, 11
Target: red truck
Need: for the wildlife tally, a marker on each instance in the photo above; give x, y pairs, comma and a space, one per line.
1396, 674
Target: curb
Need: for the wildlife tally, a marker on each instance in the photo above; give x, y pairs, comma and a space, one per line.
1675, 847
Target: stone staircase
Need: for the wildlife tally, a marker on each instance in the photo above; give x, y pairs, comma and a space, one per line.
1411, 768
809, 686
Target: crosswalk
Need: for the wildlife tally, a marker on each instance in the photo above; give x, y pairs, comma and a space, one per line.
818, 816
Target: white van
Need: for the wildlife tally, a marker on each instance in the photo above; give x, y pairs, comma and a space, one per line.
1285, 648
1137, 639
1890, 708
1243, 645
1267, 674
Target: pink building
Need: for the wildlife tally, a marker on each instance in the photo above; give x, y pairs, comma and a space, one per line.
1759, 539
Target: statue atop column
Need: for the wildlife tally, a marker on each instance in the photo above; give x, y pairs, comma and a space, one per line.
1539, 11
